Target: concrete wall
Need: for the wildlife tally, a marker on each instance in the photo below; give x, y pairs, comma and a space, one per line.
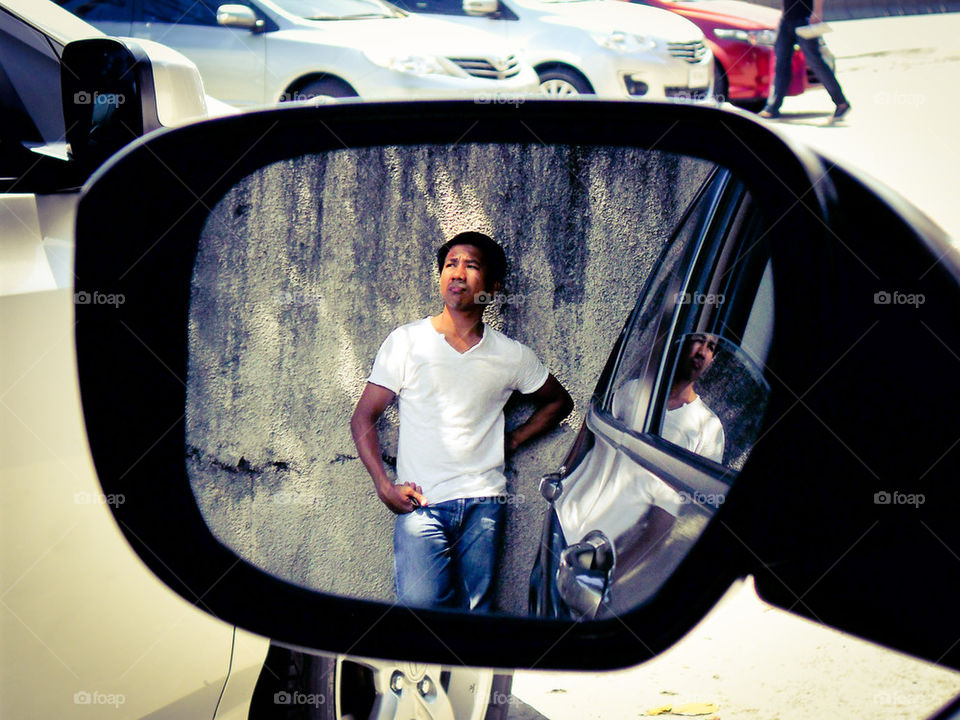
307, 265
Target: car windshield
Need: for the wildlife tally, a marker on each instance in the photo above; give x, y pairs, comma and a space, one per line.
338, 9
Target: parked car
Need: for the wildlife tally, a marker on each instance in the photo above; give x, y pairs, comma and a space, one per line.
87, 631
741, 35
260, 52
590, 46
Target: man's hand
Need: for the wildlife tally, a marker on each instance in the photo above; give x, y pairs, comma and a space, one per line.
553, 405
402, 499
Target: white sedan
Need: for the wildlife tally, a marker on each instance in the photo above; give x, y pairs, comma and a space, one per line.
259, 52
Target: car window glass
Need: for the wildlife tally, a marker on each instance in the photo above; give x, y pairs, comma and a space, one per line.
716, 399
652, 324
185, 12
93, 10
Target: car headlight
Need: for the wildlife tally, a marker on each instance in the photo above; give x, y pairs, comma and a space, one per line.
413, 64
753, 37
625, 42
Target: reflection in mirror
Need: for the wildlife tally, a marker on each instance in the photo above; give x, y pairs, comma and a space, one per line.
305, 266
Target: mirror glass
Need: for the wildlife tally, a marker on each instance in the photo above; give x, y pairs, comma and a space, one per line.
305, 267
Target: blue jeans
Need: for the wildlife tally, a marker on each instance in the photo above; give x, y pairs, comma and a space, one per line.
783, 65
444, 555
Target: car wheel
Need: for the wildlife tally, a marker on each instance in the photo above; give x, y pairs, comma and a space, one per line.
327, 89
558, 82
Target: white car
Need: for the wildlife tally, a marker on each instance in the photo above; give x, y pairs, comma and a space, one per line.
613, 49
87, 630
259, 52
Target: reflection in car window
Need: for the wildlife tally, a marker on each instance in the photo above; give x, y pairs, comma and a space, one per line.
720, 416
652, 324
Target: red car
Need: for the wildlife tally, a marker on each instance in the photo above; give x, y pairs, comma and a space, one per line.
741, 37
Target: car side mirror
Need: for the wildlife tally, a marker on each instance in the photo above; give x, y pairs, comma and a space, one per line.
238, 16
481, 7
114, 91
228, 313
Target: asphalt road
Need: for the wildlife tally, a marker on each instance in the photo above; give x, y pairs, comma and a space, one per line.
753, 661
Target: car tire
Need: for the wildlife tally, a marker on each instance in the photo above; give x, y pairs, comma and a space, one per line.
325, 89
302, 686
560, 83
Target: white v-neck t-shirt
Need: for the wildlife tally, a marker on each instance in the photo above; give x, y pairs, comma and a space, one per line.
451, 406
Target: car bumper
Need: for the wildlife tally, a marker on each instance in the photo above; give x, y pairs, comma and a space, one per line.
649, 76
749, 70
385, 84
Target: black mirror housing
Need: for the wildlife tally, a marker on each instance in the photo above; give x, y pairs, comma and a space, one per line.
140, 243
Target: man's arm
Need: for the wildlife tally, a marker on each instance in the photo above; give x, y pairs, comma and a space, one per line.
553, 405
363, 426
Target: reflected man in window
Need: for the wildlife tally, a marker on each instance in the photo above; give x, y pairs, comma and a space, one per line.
688, 422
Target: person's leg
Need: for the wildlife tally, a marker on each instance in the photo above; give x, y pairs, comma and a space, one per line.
811, 50
481, 535
422, 557
783, 64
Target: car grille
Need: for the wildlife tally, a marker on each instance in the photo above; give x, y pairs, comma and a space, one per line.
484, 68
692, 52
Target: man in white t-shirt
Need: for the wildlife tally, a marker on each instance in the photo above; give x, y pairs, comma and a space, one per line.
452, 376
688, 422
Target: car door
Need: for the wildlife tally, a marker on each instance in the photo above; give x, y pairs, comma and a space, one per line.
232, 61
644, 478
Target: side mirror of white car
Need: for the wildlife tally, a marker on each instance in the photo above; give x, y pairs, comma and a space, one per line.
238, 16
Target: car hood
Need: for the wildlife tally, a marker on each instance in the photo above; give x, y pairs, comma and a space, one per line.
730, 13
410, 34
606, 16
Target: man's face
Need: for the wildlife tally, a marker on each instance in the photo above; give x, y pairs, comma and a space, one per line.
463, 277
696, 356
